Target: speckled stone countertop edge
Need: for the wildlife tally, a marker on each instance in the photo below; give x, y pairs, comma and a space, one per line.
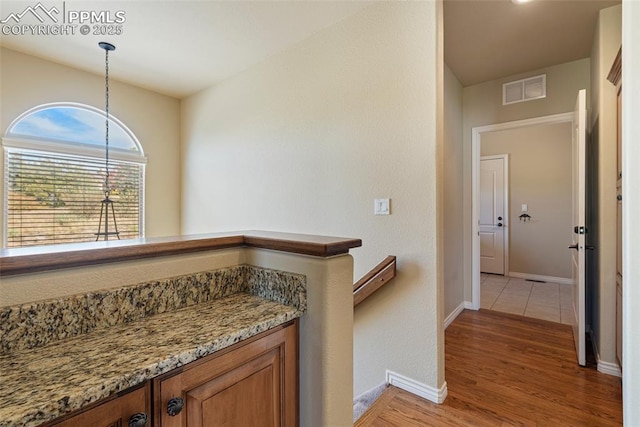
40, 323
223, 322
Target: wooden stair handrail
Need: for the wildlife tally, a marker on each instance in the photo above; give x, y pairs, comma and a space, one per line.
379, 275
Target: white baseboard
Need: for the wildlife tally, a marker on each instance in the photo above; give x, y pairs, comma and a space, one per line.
527, 276
452, 316
469, 306
609, 368
419, 389
604, 367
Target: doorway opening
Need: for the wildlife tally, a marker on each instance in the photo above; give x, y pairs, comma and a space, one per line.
477, 134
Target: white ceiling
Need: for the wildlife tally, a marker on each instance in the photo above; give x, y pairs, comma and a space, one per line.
485, 40
180, 47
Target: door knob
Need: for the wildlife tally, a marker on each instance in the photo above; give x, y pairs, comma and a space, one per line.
174, 406
138, 420
573, 247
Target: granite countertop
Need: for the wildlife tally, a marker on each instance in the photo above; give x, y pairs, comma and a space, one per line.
40, 384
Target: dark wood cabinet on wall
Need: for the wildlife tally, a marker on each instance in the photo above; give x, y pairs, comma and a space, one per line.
615, 77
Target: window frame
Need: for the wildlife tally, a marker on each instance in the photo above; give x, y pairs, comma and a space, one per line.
52, 147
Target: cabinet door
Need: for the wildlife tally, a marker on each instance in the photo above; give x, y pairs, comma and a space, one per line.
251, 384
113, 413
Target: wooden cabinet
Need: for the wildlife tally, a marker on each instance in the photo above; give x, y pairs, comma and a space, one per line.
253, 384
114, 412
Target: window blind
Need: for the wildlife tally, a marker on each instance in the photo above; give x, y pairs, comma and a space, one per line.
53, 198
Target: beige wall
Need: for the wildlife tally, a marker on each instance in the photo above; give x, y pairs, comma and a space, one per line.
539, 176
25, 288
482, 105
607, 41
27, 81
631, 197
454, 261
306, 140
483, 102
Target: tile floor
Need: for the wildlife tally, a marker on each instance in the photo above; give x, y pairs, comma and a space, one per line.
547, 301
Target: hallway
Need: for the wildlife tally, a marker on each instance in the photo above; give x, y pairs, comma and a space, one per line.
503, 369
545, 301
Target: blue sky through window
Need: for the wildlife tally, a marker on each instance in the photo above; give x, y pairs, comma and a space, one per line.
73, 124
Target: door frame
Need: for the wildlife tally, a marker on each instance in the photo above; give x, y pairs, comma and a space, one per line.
476, 139
505, 201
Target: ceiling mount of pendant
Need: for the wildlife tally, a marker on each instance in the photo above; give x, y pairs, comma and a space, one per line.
106, 46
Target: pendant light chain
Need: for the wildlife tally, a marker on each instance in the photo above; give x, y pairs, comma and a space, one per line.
107, 203
106, 103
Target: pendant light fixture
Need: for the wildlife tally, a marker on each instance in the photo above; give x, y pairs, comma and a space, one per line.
107, 203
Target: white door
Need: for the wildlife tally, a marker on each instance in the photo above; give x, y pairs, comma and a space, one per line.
577, 246
492, 214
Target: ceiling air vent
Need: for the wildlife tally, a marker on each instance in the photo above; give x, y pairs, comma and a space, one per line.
524, 90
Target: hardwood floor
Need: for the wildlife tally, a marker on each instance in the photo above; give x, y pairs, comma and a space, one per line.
504, 370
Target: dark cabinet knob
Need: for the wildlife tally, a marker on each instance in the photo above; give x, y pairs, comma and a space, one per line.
499, 218
619, 197
499, 224
174, 406
138, 420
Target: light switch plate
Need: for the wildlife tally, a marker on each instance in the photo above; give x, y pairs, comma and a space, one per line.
381, 207
524, 207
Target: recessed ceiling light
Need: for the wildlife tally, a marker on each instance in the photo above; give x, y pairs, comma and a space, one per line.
520, 1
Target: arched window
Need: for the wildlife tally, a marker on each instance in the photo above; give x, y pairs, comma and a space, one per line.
54, 176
